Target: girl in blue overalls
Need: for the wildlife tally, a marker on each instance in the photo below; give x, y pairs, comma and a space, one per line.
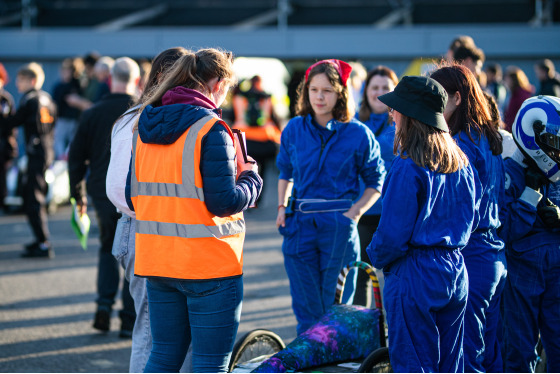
429, 211
469, 119
375, 115
322, 153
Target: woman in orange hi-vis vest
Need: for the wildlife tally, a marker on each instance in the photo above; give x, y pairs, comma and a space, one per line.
189, 186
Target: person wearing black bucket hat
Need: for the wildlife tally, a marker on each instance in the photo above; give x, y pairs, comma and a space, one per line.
420, 98
429, 211
470, 124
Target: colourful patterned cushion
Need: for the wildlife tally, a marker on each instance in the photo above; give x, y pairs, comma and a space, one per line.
346, 332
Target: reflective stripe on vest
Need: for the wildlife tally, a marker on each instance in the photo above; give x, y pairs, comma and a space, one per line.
176, 235
188, 190
190, 231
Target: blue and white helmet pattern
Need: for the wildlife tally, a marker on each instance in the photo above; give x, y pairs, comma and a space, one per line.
536, 131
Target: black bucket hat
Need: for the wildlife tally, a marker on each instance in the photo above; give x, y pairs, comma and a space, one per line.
421, 98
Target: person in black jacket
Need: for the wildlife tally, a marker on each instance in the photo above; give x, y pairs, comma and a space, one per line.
548, 78
90, 149
37, 114
67, 121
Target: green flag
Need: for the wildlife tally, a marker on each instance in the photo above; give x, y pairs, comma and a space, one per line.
80, 224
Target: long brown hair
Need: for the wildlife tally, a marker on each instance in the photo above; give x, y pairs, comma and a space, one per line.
494, 111
428, 146
518, 78
343, 110
473, 112
384, 71
160, 66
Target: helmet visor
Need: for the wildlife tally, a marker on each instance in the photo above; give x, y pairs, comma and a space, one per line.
550, 144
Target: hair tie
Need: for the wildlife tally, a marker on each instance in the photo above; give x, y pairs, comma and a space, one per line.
343, 69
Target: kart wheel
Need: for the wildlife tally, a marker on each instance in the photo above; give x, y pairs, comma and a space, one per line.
256, 343
377, 362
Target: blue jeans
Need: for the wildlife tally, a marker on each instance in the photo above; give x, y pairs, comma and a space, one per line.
64, 132
204, 312
123, 250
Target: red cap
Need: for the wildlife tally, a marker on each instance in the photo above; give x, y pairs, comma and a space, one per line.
342, 67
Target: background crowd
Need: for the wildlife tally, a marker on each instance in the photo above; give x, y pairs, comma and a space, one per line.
77, 122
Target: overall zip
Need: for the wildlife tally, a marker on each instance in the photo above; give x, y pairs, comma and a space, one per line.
324, 143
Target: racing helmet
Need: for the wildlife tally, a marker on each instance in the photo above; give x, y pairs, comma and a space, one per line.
536, 131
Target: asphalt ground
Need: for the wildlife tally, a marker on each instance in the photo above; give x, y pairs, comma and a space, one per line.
47, 305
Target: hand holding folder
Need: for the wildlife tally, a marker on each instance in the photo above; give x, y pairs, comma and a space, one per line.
244, 161
241, 147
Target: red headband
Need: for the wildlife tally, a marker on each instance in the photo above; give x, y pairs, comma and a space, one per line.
342, 67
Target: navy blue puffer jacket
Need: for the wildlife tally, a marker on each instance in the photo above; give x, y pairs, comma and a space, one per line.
223, 195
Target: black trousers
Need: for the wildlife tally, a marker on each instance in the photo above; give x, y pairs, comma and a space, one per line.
366, 228
108, 277
3, 175
35, 196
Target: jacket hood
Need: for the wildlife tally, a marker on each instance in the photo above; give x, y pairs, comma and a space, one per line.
182, 108
182, 95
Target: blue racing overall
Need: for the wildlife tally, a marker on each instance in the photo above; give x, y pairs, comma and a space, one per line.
324, 165
532, 292
427, 219
485, 259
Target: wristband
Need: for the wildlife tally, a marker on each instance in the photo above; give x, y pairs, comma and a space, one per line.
281, 206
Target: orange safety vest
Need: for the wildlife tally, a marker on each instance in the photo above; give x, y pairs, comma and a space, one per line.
176, 236
266, 132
